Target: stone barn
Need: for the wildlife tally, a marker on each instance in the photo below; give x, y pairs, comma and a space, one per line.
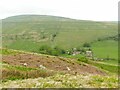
89, 54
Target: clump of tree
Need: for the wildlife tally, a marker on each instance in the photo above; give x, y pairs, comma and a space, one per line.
86, 45
45, 49
53, 36
58, 50
116, 38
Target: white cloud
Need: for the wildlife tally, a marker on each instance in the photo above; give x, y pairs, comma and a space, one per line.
78, 9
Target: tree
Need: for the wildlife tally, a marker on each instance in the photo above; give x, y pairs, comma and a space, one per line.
86, 45
45, 49
59, 50
53, 36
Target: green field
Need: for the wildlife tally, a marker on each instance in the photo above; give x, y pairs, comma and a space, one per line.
107, 48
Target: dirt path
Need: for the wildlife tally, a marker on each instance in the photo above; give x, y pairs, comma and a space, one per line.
52, 63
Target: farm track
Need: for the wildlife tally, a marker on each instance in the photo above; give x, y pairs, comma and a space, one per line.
107, 64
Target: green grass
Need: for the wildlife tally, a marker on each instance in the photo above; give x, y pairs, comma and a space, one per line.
25, 45
113, 62
8, 52
111, 68
105, 49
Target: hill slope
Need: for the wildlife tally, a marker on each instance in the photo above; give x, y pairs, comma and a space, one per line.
33, 60
36, 30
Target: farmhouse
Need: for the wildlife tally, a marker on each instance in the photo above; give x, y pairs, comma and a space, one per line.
89, 54
76, 53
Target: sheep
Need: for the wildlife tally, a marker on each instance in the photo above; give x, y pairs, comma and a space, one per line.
68, 68
25, 64
42, 67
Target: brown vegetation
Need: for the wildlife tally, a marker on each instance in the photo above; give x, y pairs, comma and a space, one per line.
51, 63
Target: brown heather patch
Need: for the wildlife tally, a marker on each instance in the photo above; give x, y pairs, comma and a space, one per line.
18, 74
52, 63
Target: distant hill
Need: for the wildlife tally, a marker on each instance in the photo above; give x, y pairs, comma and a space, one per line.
36, 30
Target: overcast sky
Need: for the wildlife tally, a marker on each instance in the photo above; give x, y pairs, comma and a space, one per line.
98, 10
